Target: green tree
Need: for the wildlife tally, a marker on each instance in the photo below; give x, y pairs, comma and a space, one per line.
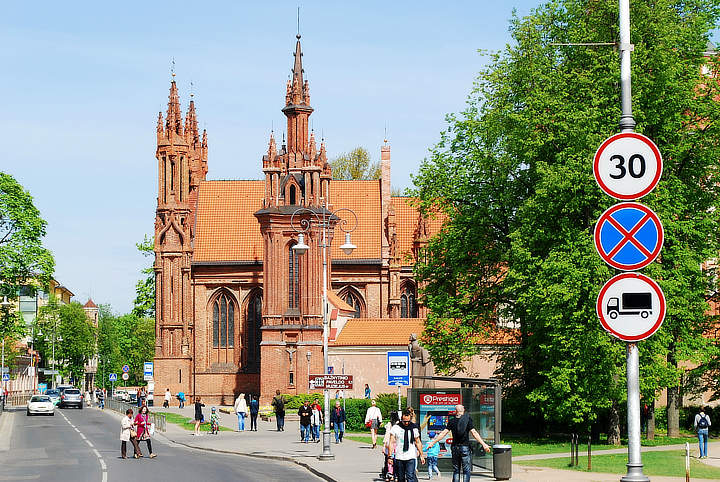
355, 164
145, 288
513, 175
78, 339
136, 343
22, 255
109, 354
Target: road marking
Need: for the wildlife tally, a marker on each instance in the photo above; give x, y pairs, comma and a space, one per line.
103, 465
83, 436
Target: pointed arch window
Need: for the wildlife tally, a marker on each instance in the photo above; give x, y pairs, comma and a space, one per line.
352, 300
254, 323
223, 322
293, 278
408, 302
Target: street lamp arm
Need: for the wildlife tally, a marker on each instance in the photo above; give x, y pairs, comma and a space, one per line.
304, 223
344, 222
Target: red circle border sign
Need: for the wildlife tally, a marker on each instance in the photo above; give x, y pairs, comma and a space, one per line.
640, 207
655, 327
650, 187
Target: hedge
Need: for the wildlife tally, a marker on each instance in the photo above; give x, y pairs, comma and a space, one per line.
355, 408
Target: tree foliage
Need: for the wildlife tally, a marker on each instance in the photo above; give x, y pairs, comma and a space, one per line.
355, 164
513, 175
125, 339
144, 304
22, 255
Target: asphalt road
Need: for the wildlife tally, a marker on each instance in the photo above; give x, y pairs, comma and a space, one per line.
84, 445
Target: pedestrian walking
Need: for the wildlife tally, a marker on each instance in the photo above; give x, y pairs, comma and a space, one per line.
337, 422
168, 397
181, 399
387, 470
128, 434
144, 427
702, 425
373, 420
88, 400
241, 410
199, 418
432, 454
305, 413
254, 409
367, 391
405, 440
101, 399
316, 420
214, 422
142, 397
461, 427
278, 403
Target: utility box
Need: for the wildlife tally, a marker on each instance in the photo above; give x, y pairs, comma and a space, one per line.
502, 462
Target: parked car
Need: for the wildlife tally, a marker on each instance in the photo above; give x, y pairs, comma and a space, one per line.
71, 397
40, 404
54, 395
121, 395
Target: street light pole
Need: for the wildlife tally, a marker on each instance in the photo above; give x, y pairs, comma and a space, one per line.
301, 248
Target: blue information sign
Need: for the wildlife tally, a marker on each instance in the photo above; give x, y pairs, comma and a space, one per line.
398, 368
125, 368
628, 236
112, 377
6, 377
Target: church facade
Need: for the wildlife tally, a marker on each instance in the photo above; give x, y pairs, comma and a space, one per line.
237, 308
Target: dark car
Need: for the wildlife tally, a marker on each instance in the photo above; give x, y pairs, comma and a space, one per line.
71, 397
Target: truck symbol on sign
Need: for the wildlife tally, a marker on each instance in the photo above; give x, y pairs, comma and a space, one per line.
398, 365
632, 304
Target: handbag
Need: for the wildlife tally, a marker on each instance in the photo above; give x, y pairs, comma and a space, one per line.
368, 424
133, 434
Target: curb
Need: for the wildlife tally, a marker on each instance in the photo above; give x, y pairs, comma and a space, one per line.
280, 458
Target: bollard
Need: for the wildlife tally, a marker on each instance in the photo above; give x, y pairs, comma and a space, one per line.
589, 452
572, 449
687, 462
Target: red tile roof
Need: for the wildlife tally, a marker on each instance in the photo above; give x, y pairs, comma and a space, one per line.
89, 304
363, 197
406, 220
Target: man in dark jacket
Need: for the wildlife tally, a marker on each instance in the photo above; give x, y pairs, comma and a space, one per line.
337, 422
254, 409
305, 413
278, 403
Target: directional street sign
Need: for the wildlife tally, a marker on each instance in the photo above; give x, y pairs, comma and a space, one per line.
148, 371
627, 166
332, 382
112, 377
631, 306
125, 376
398, 368
6, 377
628, 236
125, 368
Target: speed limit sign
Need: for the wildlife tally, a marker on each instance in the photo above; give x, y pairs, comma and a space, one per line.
627, 166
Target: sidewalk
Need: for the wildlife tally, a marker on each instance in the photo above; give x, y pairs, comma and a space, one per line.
355, 461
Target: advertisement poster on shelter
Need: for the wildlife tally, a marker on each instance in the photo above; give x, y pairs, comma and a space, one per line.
436, 409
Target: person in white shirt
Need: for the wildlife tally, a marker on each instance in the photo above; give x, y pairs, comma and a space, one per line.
702, 425
405, 439
241, 409
126, 434
168, 397
373, 416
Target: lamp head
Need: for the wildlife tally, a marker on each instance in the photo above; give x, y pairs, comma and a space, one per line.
300, 247
5, 302
308, 355
348, 247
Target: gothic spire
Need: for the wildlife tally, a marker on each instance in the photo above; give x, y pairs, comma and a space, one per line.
298, 91
191, 124
174, 114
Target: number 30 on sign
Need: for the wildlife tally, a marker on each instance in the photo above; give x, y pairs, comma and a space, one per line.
627, 166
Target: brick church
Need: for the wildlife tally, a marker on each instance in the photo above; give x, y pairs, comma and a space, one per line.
237, 309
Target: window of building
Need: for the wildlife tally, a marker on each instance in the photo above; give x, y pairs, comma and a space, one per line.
292, 195
254, 323
293, 278
352, 300
223, 322
408, 303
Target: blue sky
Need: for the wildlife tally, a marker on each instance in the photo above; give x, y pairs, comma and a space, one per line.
82, 83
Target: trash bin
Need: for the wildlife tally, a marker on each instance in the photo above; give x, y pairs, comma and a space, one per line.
502, 462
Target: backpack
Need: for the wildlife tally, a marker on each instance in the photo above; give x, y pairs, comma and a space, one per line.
703, 423
279, 404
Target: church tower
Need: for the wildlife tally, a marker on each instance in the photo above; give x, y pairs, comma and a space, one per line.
297, 186
182, 163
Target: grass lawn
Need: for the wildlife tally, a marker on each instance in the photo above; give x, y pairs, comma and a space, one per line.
669, 463
363, 438
532, 446
188, 423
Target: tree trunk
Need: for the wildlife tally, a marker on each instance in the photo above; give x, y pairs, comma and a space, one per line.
614, 425
673, 400
651, 421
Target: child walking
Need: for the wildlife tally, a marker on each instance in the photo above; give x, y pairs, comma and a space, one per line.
214, 422
432, 456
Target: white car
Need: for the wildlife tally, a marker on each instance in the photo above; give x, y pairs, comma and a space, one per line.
40, 404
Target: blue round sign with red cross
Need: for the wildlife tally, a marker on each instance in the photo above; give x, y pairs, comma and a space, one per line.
628, 236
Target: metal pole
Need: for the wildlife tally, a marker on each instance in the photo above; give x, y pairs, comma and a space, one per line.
326, 453
627, 124
634, 465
